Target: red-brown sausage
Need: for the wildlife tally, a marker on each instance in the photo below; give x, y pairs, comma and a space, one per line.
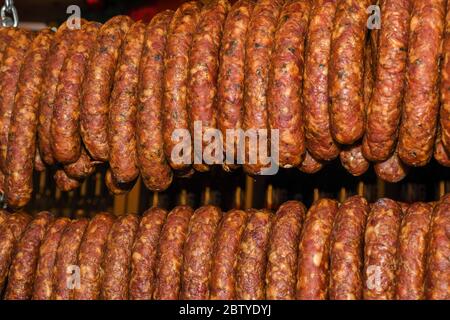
143, 258
381, 249
282, 255
440, 152
98, 84
421, 101
114, 187
391, 170
352, 159
310, 165
39, 164
82, 168
313, 258
64, 182
346, 250
445, 86
155, 171
170, 254
6, 35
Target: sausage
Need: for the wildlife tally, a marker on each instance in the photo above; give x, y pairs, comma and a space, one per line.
65, 138
10, 233
170, 254
43, 281
228, 237
391, 170
3, 214
123, 107
64, 182
176, 64
346, 71
419, 118
230, 83
117, 258
252, 256
380, 252
202, 79
98, 84
21, 150
445, 85
155, 171
319, 141
412, 252
346, 250
440, 151
284, 104
310, 165
13, 58
282, 255
437, 283
23, 266
6, 36
259, 47
90, 257
352, 159
66, 272
144, 254
39, 165
114, 187
313, 258
2, 183
198, 252
82, 168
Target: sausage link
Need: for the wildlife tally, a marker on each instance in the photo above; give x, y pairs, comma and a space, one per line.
223, 272
82, 168
10, 67
64, 182
98, 84
65, 136
310, 165
123, 107
90, 257
282, 255
143, 258
155, 171
313, 258
445, 85
252, 256
440, 152
391, 170
21, 150
230, 83
421, 101
352, 159
117, 259
26, 255
170, 254
39, 165
43, 281
346, 71
3, 216
176, 64
6, 36
116, 188
66, 259
380, 252
347, 246
412, 252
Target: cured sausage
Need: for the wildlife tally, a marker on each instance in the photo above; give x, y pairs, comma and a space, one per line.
282, 255
98, 84
438, 266
284, 103
170, 254
65, 138
90, 257
445, 86
202, 79
66, 270
223, 269
117, 258
43, 281
82, 168
198, 252
64, 182
419, 118
384, 110
440, 151
114, 187
319, 141
123, 107
259, 47
39, 164
310, 165
252, 256
352, 159
346, 71
3, 216
391, 170
10, 67
313, 258
155, 171
380, 252
23, 266
21, 150
346, 250
144, 254
6, 35
230, 83
176, 64
412, 252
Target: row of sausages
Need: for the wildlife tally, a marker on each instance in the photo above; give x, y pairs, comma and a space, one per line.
354, 250
117, 92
